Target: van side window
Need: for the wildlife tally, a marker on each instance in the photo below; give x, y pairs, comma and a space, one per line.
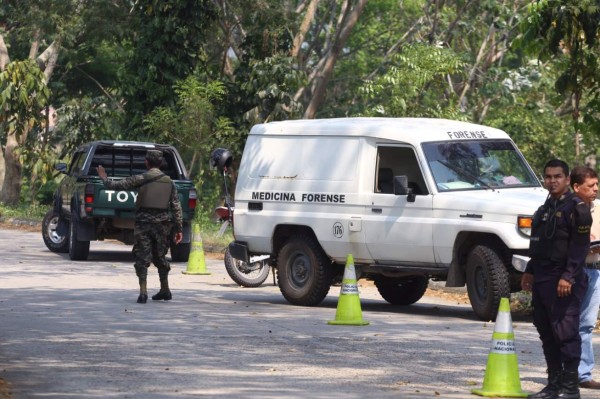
397, 161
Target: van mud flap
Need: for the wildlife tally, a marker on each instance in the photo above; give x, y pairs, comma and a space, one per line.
239, 251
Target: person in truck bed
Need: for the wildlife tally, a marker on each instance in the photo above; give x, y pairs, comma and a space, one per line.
157, 200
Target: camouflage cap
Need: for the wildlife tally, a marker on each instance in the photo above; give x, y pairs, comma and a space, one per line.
155, 155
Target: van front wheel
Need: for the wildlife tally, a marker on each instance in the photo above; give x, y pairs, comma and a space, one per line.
487, 281
304, 272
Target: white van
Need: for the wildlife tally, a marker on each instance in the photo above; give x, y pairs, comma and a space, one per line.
411, 199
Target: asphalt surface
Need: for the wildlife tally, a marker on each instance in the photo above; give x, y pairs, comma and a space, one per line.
73, 330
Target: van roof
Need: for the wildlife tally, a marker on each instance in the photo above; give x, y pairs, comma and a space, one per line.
414, 130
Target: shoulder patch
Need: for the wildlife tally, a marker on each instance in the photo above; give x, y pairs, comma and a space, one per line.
584, 218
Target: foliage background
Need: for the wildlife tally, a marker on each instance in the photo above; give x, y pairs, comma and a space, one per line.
198, 74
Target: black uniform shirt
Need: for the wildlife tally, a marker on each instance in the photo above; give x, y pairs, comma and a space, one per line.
560, 238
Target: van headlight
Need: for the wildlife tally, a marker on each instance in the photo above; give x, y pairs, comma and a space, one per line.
524, 223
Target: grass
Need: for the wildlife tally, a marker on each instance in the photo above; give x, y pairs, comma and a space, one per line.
24, 211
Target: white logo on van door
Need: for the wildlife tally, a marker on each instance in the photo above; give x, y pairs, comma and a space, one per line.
338, 230
121, 196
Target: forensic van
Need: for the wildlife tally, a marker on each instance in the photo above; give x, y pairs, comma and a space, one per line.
411, 199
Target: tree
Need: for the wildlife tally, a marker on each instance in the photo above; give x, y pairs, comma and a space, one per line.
193, 123
166, 48
567, 32
26, 83
23, 97
46, 33
332, 46
195, 126
416, 84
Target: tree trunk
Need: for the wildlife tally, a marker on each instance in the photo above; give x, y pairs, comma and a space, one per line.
308, 18
322, 77
11, 189
2, 167
11, 185
4, 60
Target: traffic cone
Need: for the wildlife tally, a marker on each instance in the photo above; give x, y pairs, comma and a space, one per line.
348, 309
502, 371
196, 263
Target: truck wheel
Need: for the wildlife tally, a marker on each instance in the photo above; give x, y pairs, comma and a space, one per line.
487, 281
401, 291
78, 250
54, 241
180, 252
244, 274
304, 272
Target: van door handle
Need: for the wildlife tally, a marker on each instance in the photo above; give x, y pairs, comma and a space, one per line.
376, 210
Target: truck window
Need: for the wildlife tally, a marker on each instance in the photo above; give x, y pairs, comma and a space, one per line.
478, 164
396, 161
128, 161
77, 163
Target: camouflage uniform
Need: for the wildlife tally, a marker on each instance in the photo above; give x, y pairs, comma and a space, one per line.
153, 227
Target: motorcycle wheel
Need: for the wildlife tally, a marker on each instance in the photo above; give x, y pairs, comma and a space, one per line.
247, 275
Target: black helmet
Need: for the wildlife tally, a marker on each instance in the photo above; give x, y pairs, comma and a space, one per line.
220, 158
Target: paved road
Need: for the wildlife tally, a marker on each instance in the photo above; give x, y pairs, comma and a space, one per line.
73, 330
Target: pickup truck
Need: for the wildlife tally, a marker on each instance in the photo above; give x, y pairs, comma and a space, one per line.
84, 210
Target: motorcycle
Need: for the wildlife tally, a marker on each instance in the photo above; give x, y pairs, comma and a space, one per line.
247, 274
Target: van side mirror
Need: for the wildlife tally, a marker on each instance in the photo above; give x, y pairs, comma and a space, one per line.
401, 188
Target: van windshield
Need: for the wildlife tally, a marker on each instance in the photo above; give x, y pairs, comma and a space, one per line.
476, 165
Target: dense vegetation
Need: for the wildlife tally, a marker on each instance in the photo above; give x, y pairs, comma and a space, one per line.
200, 73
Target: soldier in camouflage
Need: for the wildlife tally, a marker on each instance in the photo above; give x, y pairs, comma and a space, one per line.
157, 209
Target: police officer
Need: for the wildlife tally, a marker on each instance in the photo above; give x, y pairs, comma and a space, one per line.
157, 200
560, 239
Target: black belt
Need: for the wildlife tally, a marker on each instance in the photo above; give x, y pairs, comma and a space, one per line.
593, 265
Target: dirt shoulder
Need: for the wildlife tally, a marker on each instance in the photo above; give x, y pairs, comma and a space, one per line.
5, 390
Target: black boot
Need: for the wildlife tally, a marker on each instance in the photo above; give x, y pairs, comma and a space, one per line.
162, 295
143, 297
551, 390
569, 387
165, 292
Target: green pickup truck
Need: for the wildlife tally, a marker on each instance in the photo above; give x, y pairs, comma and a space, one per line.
84, 210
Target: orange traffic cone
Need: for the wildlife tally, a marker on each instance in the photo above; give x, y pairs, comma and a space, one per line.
196, 263
348, 309
502, 371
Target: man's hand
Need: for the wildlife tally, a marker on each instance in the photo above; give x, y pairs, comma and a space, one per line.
564, 288
526, 281
178, 237
101, 172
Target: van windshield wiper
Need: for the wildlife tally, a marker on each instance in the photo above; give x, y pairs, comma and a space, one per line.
466, 174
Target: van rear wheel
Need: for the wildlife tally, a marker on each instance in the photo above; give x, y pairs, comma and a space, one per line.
401, 291
304, 271
487, 281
